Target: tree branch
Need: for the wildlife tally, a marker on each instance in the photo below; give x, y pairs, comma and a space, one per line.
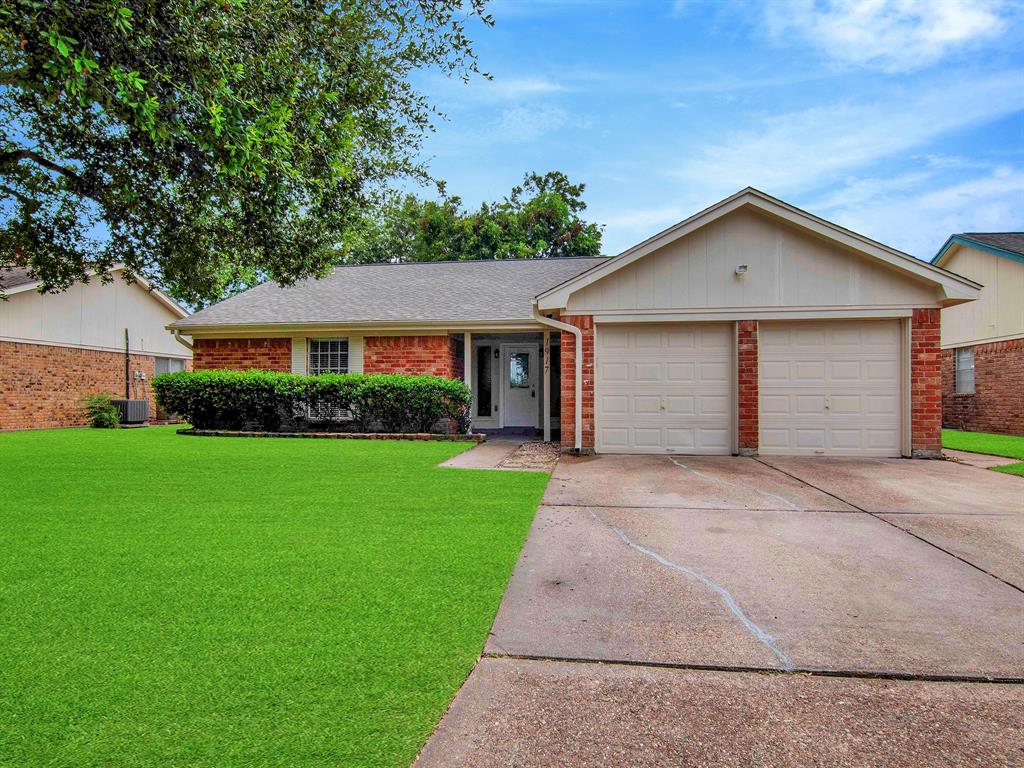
24, 199
13, 157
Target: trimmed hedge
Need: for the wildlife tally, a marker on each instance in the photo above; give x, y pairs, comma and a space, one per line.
350, 402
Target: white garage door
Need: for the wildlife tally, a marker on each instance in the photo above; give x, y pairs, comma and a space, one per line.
830, 388
663, 388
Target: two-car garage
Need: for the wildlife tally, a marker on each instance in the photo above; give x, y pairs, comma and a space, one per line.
755, 327
826, 387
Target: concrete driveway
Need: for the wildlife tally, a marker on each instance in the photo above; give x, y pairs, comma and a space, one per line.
734, 611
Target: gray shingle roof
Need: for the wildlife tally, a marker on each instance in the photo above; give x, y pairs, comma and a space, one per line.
1008, 241
454, 291
12, 278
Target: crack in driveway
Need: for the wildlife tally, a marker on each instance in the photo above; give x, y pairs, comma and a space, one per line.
719, 480
762, 637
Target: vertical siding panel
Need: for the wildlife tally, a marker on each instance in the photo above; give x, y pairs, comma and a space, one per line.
355, 354
298, 354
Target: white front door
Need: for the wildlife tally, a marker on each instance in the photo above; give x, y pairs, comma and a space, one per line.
520, 379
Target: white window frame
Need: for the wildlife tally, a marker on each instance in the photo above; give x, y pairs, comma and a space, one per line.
336, 346
965, 370
174, 364
342, 352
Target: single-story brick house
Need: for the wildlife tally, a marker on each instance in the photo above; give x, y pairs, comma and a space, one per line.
983, 342
750, 327
57, 347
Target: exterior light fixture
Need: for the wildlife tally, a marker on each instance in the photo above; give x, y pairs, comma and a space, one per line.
741, 270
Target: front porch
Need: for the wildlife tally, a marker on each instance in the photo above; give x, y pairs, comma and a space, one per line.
515, 379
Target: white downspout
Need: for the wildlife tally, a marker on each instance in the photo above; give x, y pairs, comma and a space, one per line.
177, 338
578, 410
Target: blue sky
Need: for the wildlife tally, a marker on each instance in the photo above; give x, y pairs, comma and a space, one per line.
901, 120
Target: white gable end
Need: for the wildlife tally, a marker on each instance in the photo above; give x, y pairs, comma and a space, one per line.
785, 268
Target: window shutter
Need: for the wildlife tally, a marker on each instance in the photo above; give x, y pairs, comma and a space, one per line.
355, 354
298, 355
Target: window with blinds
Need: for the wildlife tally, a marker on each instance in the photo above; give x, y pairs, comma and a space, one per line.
965, 371
328, 356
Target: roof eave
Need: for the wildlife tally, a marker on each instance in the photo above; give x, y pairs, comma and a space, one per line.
954, 287
957, 241
367, 327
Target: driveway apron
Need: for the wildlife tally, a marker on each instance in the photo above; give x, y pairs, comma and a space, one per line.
669, 587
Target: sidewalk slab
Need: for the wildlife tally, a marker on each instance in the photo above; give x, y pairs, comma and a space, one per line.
514, 713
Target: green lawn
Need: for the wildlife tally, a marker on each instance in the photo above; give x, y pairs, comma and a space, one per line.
169, 600
983, 442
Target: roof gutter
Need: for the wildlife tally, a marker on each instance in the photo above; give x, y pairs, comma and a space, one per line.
177, 338
578, 409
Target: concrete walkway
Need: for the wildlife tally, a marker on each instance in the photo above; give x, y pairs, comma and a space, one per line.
729, 611
981, 460
511, 453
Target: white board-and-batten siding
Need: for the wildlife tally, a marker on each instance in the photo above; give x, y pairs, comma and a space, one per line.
786, 268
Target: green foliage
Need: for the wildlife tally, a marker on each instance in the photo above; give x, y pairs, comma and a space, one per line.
540, 218
265, 400
102, 413
208, 143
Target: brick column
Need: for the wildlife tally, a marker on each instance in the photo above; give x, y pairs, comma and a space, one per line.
746, 382
925, 384
586, 324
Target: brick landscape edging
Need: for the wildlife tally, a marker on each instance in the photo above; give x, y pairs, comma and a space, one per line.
424, 436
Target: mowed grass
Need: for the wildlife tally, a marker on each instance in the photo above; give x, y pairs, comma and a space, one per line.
993, 445
169, 600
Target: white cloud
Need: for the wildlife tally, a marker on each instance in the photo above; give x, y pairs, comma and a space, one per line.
516, 88
888, 35
918, 221
795, 151
644, 219
520, 124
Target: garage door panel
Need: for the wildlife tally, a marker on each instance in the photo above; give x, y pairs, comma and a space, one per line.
681, 372
664, 388
830, 387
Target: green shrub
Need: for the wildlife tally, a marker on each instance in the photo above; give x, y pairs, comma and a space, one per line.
270, 401
102, 413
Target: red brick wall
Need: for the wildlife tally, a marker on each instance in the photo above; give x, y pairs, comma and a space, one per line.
586, 324
747, 376
925, 384
243, 354
431, 355
42, 386
997, 404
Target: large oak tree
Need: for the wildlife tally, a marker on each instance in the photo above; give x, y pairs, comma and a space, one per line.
205, 142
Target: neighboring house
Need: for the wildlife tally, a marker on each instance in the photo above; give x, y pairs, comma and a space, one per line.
983, 342
751, 326
56, 348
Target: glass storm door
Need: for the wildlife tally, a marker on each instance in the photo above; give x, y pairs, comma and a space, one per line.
521, 378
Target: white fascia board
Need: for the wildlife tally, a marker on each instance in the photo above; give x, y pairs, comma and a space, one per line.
438, 328
954, 287
764, 314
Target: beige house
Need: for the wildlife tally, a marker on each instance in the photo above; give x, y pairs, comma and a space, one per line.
751, 326
55, 348
983, 342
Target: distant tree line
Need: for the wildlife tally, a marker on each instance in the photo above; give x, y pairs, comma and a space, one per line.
540, 218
